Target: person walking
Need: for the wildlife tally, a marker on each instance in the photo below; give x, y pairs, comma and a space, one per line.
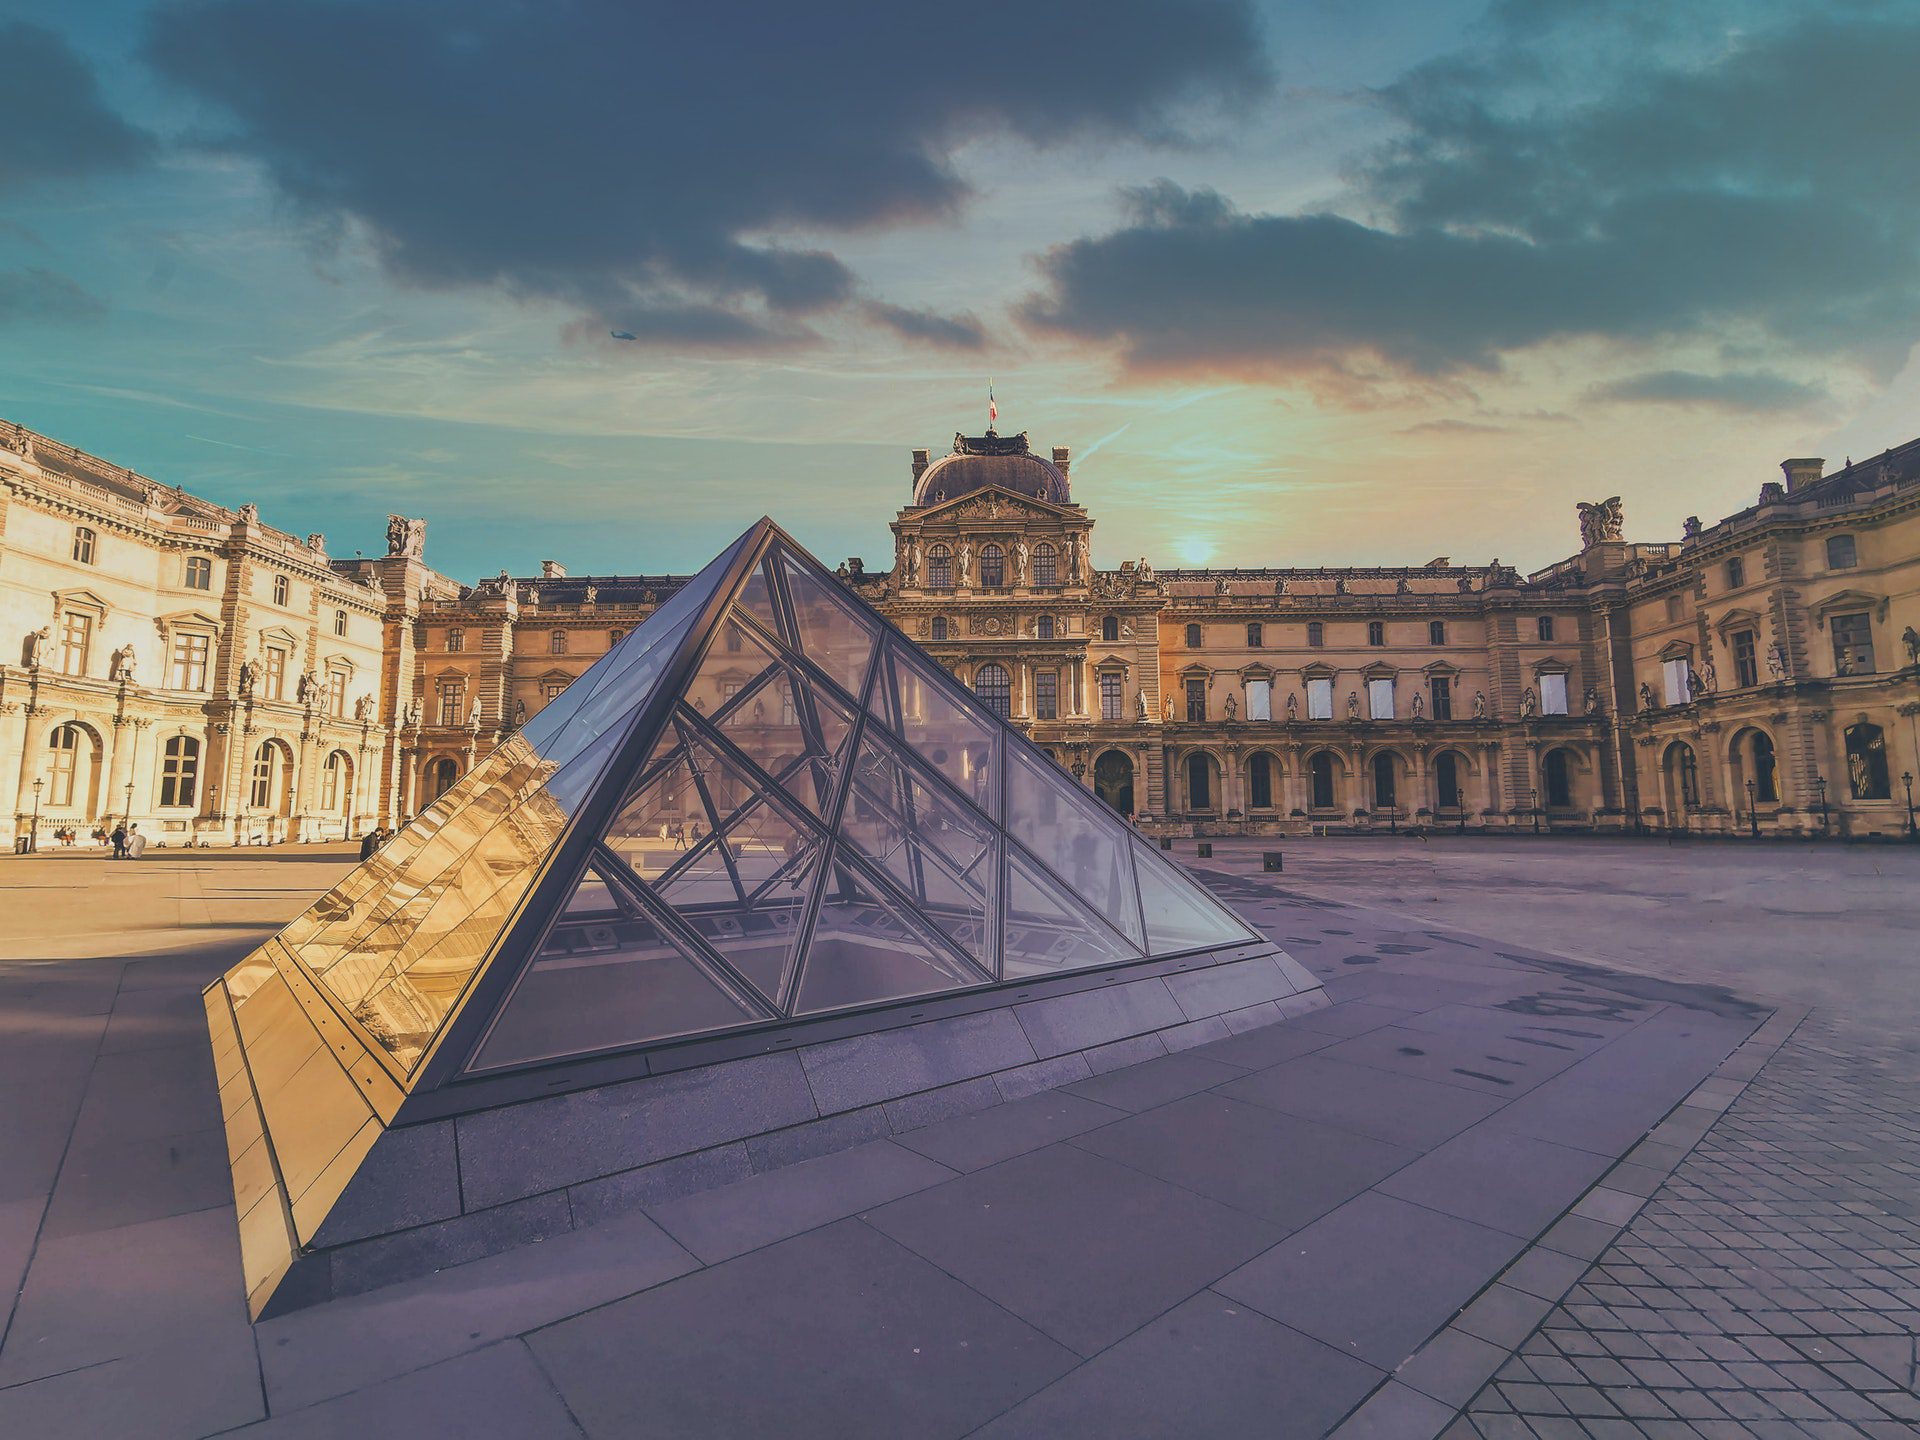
120, 841
136, 842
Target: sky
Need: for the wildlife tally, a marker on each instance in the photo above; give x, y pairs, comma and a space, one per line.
1300, 282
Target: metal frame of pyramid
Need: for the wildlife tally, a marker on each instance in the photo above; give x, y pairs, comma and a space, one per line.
763, 819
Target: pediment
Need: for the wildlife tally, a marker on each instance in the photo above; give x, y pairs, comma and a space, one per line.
994, 506
279, 635
1551, 665
1676, 650
1842, 601
1738, 618
187, 619
80, 599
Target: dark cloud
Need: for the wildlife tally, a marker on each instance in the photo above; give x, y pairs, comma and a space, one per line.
1767, 183
609, 151
57, 127
1742, 391
36, 296
955, 332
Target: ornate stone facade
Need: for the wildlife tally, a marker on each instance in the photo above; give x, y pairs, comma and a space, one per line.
1630, 687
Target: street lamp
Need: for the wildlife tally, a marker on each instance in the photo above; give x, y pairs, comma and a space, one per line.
33, 835
1820, 798
127, 819
1753, 815
1913, 831
1533, 796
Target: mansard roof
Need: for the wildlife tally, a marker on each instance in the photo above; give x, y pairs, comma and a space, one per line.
978, 461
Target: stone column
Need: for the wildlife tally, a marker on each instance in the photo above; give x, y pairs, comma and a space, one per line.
13, 730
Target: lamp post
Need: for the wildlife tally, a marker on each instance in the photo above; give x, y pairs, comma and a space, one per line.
1913, 831
1533, 801
1820, 798
33, 835
127, 818
1753, 815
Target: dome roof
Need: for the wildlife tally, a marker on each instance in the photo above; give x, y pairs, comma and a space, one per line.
978, 461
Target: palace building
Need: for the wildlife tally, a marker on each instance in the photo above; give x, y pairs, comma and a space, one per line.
222, 682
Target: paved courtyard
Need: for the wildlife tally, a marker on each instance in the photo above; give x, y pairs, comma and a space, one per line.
1598, 1139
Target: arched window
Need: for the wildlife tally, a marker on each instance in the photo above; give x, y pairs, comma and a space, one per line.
1316, 633
1376, 632
281, 589
1558, 774
64, 748
83, 539
180, 771
441, 776
1110, 627
199, 573
340, 622
1199, 782
1043, 628
1193, 637
1320, 770
993, 567
939, 568
1046, 565
1385, 794
1446, 774
336, 782
995, 688
1260, 781
1113, 780
557, 642
939, 628
261, 795
1684, 775
1762, 768
1867, 763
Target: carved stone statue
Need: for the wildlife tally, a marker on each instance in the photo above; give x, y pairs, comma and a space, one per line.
1073, 558
913, 561
20, 443
1353, 704
1776, 662
1126, 630
1405, 587
1527, 703
1709, 677
1419, 706
1340, 586
1220, 587
317, 542
307, 689
1293, 707
120, 664
1466, 584
1601, 520
1169, 709
406, 537
33, 651
249, 514
1592, 702
249, 677
592, 592
1646, 696
1910, 638
965, 558
1020, 554
1140, 704
1690, 527
1280, 586
410, 717
1143, 571
1479, 705
473, 716
1233, 709
519, 712
363, 709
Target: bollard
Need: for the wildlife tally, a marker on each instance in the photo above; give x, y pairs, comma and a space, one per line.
1272, 861
1204, 850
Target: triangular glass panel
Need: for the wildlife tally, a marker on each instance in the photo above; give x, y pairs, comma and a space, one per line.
863, 949
831, 629
1048, 933
956, 740
608, 974
1073, 835
1180, 915
794, 731
733, 663
666, 818
756, 598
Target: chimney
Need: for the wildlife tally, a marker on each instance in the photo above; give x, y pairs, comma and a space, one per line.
1062, 458
1802, 472
552, 570
919, 465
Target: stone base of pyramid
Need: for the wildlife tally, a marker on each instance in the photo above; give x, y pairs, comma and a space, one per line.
412, 1199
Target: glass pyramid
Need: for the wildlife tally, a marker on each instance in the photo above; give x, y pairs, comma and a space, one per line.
762, 805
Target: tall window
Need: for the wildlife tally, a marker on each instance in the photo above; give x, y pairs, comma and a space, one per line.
1687, 772
1436, 632
939, 628
1043, 627
1746, 663
1446, 774
1677, 680
1199, 782
1320, 699
1320, 772
337, 683
1193, 637
613, 637
190, 660
1196, 699
1376, 632
1110, 697
1046, 565
1316, 633
1380, 699
340, 622
453, 703
335, 783
1260, 781
441, 777
1259, 700
1440, 689
1046, 695
1762, 768
179, 771
1543, 627
1558, 775
1385, 793
1736, 573
1673, 609
281, 589
993, 567
557, 641
76, 642
1553, 694
994, 686
63, 763
275, 679
266, 762
199, 573
1110, 628
1867, 763
1842, 553
1255, 635
83, 540
456, 640
939, 568
1852, 644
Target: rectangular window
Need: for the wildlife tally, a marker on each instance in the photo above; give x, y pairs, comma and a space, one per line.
1046, 695
1254, 635
1736, 573
1316, 633
1380, 699
1436, 632
340, 622
452, 704
337, 682
76, 639
1319, 699
1543, 626
1673, 608
1110, 697
1842, 554
180, 771
1746, 659
276, 676
1852, 644
190, 661
1553, 694
1196, 700
1259, 699
1676, 676
1440, 687
456, 640
552, 688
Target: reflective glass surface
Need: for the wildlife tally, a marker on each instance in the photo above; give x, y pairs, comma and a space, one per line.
1073, 835
756, 598
957, 741
864, 949
832, 630
1180, 915
1048, 933
795, 731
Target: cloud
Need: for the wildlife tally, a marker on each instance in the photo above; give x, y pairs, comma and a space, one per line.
957, 332
35, 296
618, 155
57, 126
1695, 200
1453, 427
1739, 392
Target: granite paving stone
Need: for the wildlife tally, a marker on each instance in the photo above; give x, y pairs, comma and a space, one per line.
971, 1142
1397, 1108
1539, 1180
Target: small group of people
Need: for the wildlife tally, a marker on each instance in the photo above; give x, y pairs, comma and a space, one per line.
128, 842
371, 842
